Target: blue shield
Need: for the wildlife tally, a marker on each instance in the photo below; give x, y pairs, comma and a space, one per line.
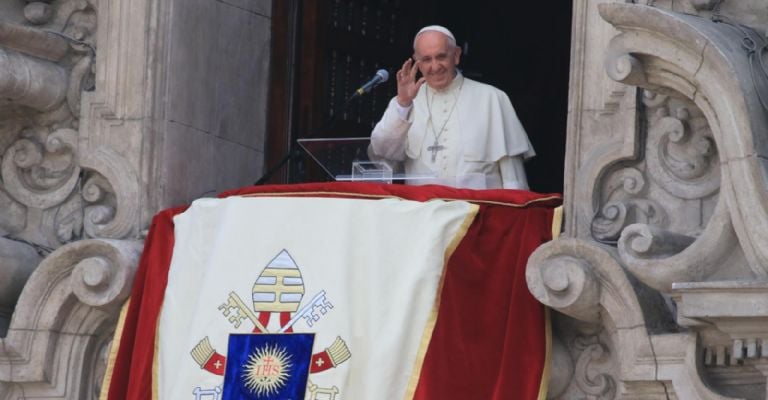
267, 366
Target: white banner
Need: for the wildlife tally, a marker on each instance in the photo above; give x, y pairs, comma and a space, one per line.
362, 275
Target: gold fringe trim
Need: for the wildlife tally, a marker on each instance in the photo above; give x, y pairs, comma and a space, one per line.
432, 320
544, 384
156, 359
381, 196
107, 379
557, 227
557, 222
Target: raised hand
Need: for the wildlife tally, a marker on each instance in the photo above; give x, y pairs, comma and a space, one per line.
407, 85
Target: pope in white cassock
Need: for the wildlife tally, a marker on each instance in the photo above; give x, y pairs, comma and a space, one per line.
463, 132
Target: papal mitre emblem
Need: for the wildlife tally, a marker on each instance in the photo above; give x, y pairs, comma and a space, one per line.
279, 287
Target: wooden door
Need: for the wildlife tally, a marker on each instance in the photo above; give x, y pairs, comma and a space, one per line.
337, 46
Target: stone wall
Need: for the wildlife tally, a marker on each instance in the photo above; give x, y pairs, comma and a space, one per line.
110, 110
659, 279
215, 97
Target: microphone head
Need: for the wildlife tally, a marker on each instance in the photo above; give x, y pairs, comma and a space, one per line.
383, 74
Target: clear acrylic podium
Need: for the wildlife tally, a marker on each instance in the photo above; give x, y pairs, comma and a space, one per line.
347, 159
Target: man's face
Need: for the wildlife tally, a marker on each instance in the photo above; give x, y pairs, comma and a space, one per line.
437, 59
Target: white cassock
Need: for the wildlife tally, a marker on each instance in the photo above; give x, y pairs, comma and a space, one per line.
467, 135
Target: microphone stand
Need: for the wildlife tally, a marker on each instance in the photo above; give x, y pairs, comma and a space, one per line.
295, 150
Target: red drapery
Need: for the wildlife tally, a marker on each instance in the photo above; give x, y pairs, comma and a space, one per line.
490, 338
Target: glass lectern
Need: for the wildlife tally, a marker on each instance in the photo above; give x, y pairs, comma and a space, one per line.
347, 159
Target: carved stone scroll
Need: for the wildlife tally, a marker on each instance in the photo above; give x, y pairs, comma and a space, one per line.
659, 258
112, 195
597, 385
69, 305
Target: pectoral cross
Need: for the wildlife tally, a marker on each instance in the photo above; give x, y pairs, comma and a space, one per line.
434, 149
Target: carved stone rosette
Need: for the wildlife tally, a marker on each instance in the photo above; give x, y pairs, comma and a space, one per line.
672, 268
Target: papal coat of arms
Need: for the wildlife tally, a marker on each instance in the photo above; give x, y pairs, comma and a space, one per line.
267, 364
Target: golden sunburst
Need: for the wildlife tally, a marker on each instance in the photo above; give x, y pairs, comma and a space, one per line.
267, 370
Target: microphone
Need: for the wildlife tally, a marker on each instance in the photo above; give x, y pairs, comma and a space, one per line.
381, 76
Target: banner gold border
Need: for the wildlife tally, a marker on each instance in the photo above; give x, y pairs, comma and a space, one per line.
116, 338
426, 337
388, 196
557, 227
544, 384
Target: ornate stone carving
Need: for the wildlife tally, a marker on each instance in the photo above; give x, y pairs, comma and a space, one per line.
623, 67
680, 168
38, 13
66, 220
591, 379
583, 281
679, 164
68, 306
702, 60
111, 194
40, 170
78, 80
697, 160
53, 200
680, 151
685, 6
619, 310
641, 240
659, 258
37, 84
57, 190
623, 205
43, 72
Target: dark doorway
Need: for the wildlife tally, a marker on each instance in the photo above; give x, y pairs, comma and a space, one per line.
323, 50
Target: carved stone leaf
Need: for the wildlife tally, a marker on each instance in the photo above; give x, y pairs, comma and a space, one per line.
589, 377
616, 216
42, 175
65, 222
623, 205
681, 159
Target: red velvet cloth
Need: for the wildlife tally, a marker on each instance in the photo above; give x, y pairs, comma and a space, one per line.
489, 341
131, 376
